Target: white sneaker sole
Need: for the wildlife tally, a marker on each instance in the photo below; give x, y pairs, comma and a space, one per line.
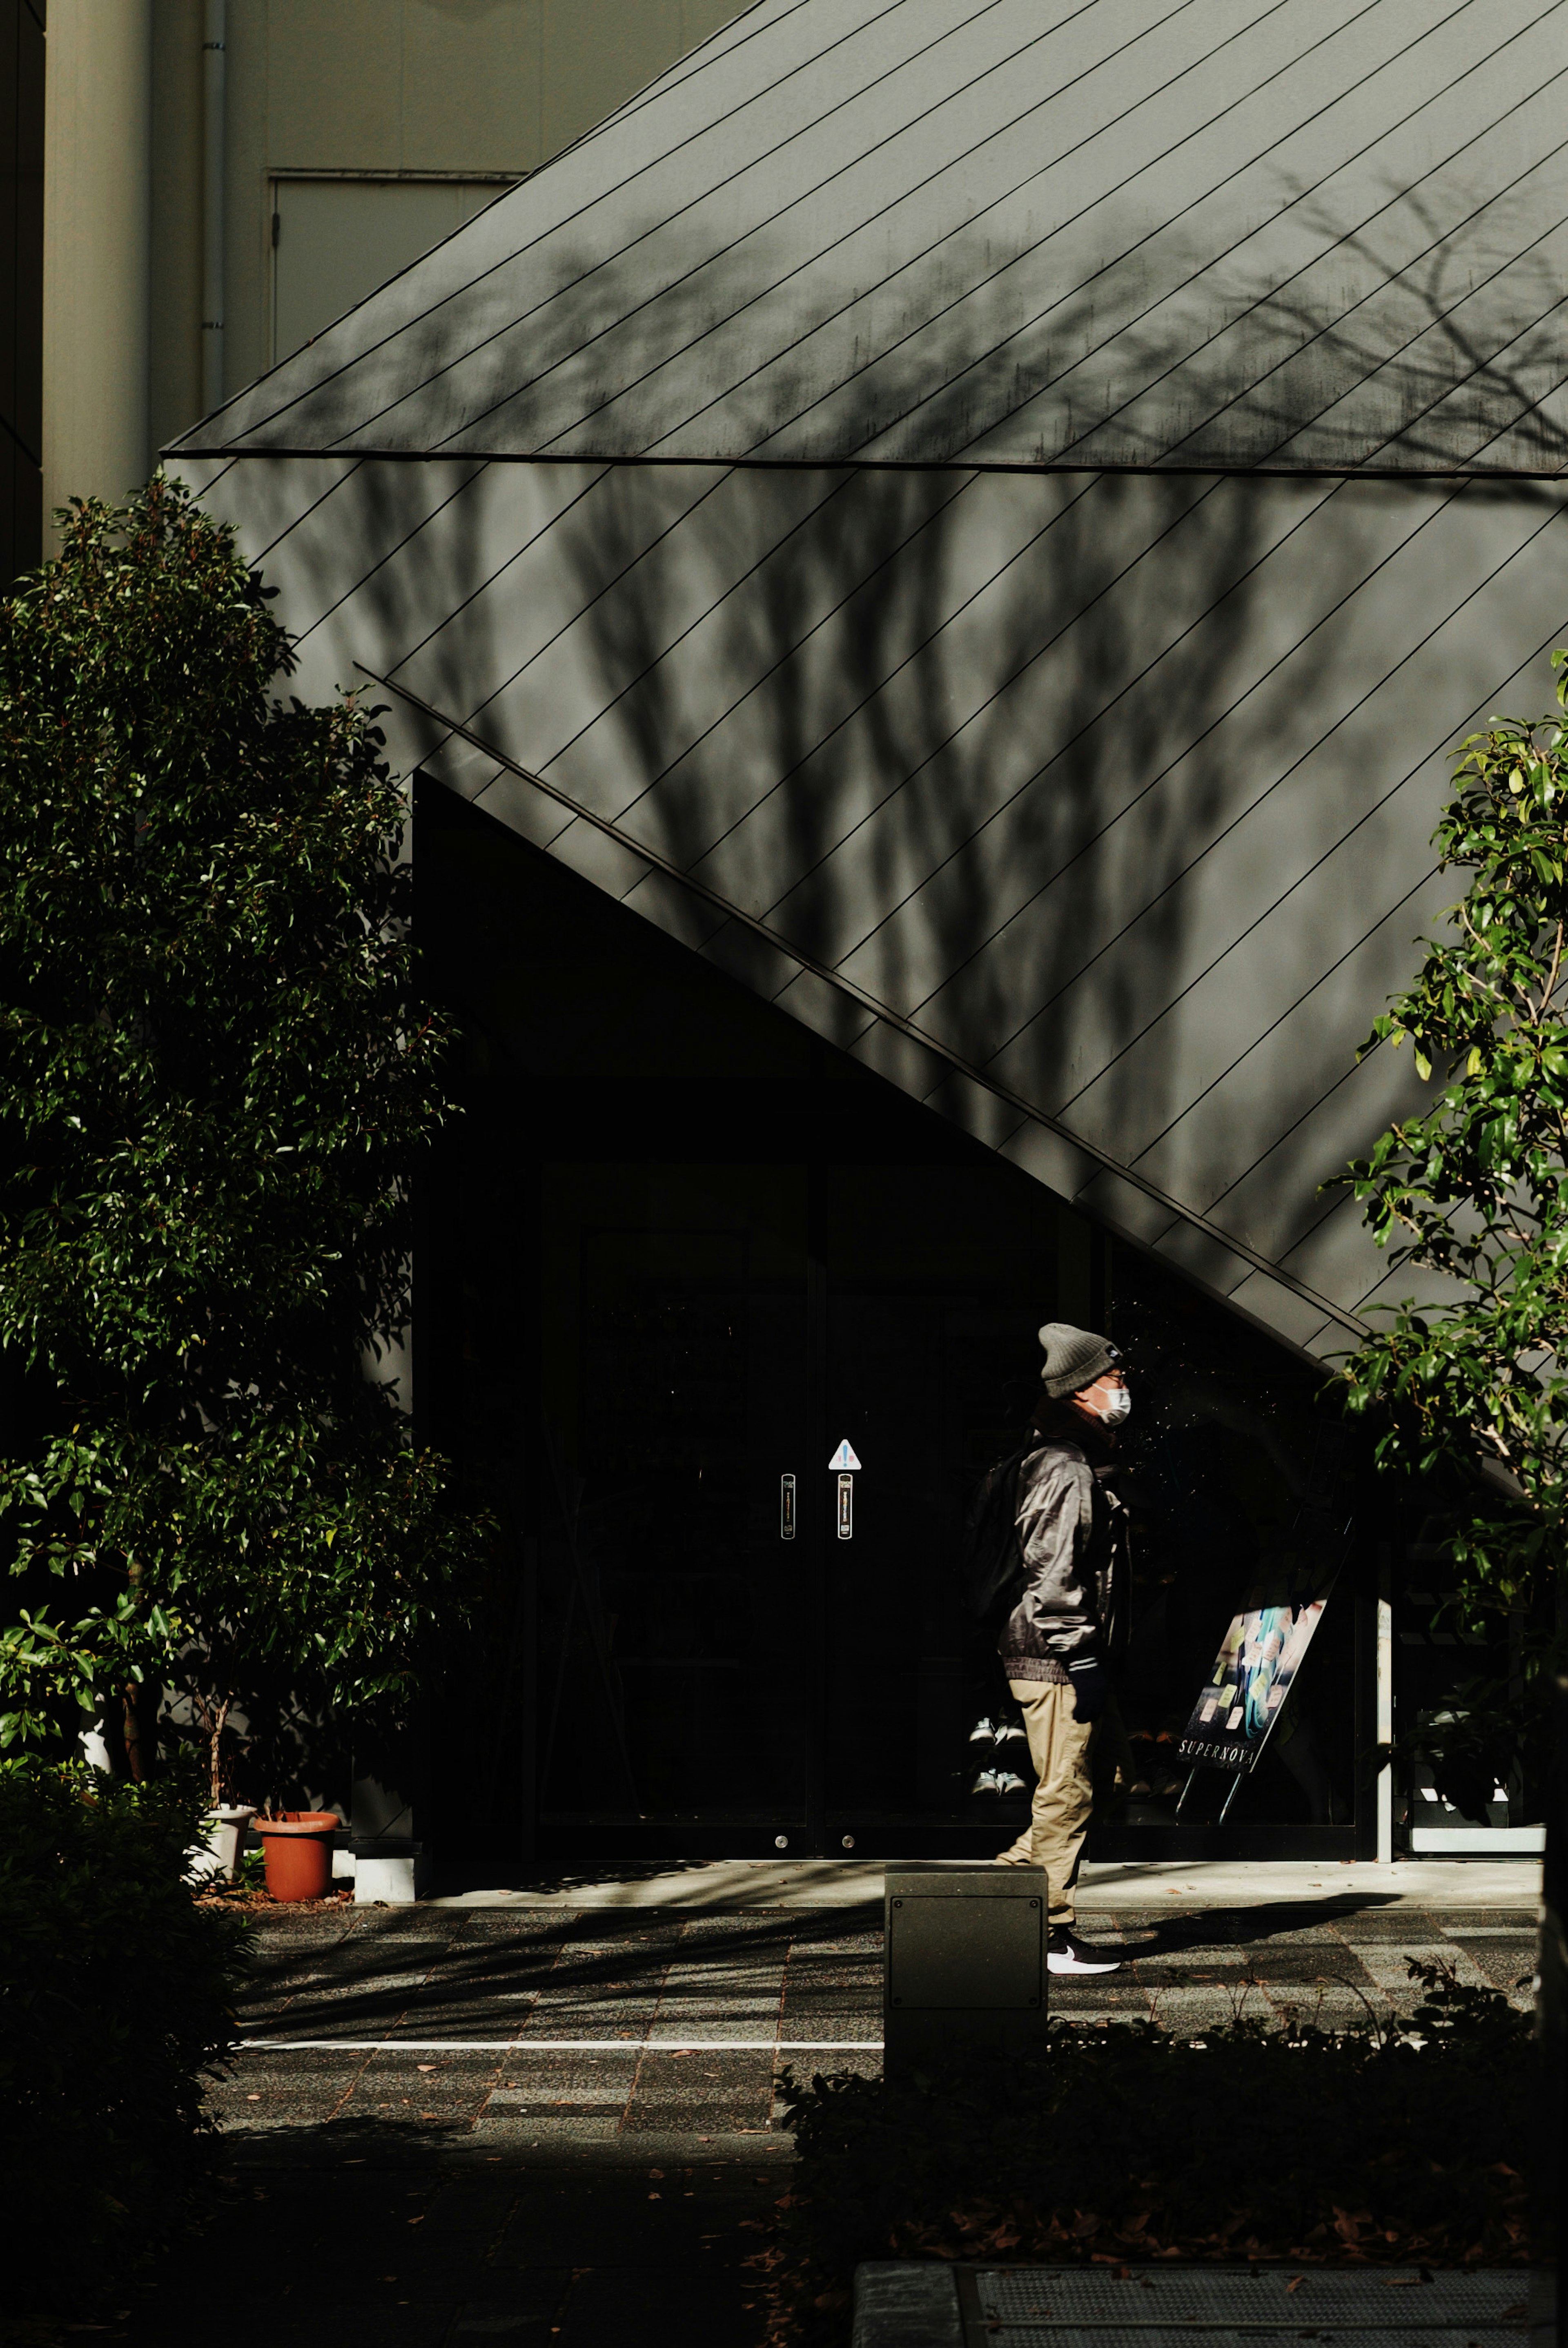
1055, 1964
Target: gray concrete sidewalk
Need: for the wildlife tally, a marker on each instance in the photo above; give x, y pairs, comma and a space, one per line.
522, 2027
747, 1883
558, 2124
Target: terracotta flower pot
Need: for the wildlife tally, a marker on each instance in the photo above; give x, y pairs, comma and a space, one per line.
298, 1848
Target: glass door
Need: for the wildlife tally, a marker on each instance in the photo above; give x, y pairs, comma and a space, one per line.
937, 1279
677, 1627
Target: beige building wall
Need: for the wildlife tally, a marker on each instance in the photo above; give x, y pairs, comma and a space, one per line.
98, 210
467, 90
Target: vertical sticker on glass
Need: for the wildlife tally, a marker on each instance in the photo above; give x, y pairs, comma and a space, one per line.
786, 1507
846, 1507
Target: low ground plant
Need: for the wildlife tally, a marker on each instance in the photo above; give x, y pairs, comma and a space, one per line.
1396, 2142
115, 1993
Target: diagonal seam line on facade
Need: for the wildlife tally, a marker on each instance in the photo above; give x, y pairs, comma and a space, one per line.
804, 196
516, 555
720, 477
1151, 163
1102, 1158
351, 465
970, 838
1438, 508
885, 682
1302, 877
602, 195
1274, 291
1272, 294
1387, 915
1078, 288
770, 219
776, 546
905, 195
476, 470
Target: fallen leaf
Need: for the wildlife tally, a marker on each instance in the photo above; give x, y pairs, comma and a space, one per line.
1295, 2282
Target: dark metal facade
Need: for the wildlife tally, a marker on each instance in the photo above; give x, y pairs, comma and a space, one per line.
985, 521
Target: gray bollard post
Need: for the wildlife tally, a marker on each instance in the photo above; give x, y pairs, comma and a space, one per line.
963, 1959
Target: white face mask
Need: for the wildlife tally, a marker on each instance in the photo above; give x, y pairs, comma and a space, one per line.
1115, 1406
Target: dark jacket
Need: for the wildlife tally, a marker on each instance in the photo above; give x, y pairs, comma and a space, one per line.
1072, 1531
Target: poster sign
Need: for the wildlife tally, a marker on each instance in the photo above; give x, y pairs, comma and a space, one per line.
1258, 1660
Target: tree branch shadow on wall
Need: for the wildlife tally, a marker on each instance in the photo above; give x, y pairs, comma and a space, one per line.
957, 731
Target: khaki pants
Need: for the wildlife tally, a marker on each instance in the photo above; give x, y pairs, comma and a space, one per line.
1069, 1758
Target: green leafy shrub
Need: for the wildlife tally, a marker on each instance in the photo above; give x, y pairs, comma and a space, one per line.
1470, 1374
219, 1072
114, 2003
1400, 2142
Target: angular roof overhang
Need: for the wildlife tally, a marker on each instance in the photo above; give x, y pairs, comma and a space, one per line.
984, 518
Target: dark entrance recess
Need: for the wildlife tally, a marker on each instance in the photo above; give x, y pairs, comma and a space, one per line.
675, 1254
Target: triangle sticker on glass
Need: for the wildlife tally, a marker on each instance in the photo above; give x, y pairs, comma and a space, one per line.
843, 1457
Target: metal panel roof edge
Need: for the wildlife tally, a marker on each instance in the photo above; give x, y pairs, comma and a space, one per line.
233, 452
1250, 1265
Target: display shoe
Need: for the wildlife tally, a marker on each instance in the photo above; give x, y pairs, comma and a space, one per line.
1011, 1732
986, 1782
1009, 1782
1067, 1954
982, 1733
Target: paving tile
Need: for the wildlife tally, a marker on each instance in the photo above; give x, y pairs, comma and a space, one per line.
1389, 1967
1509, 1965
550, 2100
1316, 1963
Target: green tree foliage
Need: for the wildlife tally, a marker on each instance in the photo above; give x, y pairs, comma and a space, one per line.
1472, 1378
217, 1071
115, 1990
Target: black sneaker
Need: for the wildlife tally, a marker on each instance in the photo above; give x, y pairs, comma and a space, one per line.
1065, 1953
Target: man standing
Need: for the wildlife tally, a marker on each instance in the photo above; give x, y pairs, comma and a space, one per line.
1070, 1621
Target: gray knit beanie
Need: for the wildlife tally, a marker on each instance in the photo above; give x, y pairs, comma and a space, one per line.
1074, 1358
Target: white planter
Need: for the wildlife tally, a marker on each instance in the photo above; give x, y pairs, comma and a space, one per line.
219, 1852
391, 1873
